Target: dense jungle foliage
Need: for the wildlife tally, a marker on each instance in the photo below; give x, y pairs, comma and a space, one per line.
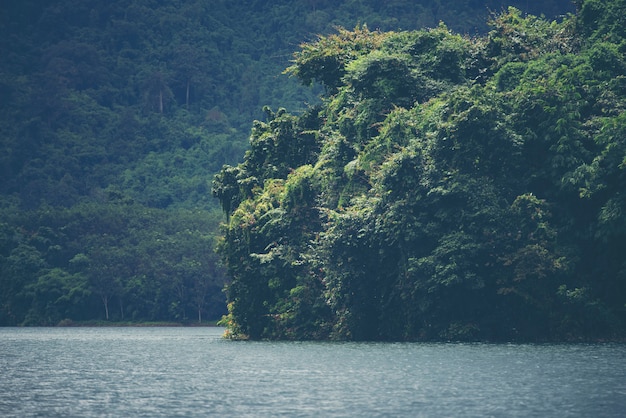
447, 187
115, 116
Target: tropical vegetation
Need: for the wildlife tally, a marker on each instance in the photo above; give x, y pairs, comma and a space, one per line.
447, 187
116, 115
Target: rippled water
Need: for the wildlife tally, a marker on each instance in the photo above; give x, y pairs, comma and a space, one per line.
193, 372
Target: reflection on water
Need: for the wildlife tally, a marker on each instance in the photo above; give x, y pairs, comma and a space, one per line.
194, 372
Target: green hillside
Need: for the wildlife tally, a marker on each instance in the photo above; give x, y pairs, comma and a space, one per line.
447, 188
116, 115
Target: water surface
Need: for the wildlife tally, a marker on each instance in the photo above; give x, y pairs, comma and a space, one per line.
194, 372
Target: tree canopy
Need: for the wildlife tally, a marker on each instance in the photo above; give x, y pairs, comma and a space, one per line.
448, 187
116, 115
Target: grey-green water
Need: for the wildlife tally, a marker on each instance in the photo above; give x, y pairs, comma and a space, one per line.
191, 372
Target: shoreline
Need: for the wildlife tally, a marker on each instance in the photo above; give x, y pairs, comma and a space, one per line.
120, 324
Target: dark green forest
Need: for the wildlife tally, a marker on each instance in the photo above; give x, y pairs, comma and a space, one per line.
116, 116
448, 187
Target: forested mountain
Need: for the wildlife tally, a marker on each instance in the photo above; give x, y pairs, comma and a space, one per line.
116, 115
447, 187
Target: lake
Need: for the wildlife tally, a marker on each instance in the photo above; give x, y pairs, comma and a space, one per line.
84, 372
